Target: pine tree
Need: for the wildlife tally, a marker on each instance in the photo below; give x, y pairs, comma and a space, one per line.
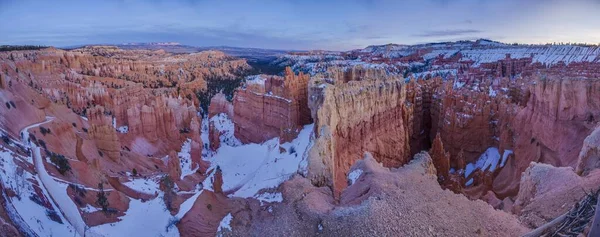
102, 200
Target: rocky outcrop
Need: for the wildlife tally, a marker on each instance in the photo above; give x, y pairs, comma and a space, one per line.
547, 192
204, 216
441, 159
174, 166
214, 136
219, 104
161, 119
271, 106
104, 134
570, 107
354, 117
589, 156
409, 197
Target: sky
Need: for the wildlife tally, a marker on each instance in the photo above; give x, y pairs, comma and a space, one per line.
296, 24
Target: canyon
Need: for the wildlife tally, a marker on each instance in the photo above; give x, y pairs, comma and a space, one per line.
469, 138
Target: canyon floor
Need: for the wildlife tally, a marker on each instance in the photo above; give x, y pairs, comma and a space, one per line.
469, 138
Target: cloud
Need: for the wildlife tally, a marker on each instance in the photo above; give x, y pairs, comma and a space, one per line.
446, 33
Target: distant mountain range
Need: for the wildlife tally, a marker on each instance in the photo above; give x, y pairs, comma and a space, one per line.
255, 54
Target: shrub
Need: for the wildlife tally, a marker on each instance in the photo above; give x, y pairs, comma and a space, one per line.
53, 216
102, 200
45, 131
214, 86
169, 195
209, 206
42, 144
7, 105
134, 171
74, 125
101, 154
60, 162
34, 198
78, 189
5, 139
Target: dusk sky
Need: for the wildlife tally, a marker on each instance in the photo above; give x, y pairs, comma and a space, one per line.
297, 24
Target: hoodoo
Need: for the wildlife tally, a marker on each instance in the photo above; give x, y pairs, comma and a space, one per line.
466, 138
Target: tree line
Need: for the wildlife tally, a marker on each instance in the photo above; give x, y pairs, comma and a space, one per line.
4, 48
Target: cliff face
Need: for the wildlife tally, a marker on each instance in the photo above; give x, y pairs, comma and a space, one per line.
528, 120
354, 117
271, 106
104, 133
560, 114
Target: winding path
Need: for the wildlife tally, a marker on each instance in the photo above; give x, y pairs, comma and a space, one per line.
60, 200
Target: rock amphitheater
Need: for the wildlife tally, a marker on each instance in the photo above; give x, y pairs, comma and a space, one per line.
424, 140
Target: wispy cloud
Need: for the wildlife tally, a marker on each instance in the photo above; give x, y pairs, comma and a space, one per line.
446, 33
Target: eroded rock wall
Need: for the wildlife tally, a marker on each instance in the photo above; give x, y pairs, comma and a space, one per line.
271, 106
353, 117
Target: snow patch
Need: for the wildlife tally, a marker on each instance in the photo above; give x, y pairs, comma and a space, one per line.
354, 175
269, 197
148, 186
489, 160
248, 168
123, 129
185, 159
225, 223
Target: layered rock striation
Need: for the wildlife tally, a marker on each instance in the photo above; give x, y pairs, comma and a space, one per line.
363, 114
271, 106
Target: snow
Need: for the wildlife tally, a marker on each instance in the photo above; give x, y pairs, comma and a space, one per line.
58, 192
186, 206
354, 175
492, 92
23, 211
225, 223
248, 168
487, 161
89, 208
255, 79
185, 159
269, 197
150, 218
61, 202
123, 129
469, 183
114, 122
458, 84
148, 186
226, 128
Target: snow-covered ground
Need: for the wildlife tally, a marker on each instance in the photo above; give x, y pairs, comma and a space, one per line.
249, 168
150, 218
185, 159
246, 170
225, 223
148, 186
123, 129
269, 197
490, 160
354, 175
23, 207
